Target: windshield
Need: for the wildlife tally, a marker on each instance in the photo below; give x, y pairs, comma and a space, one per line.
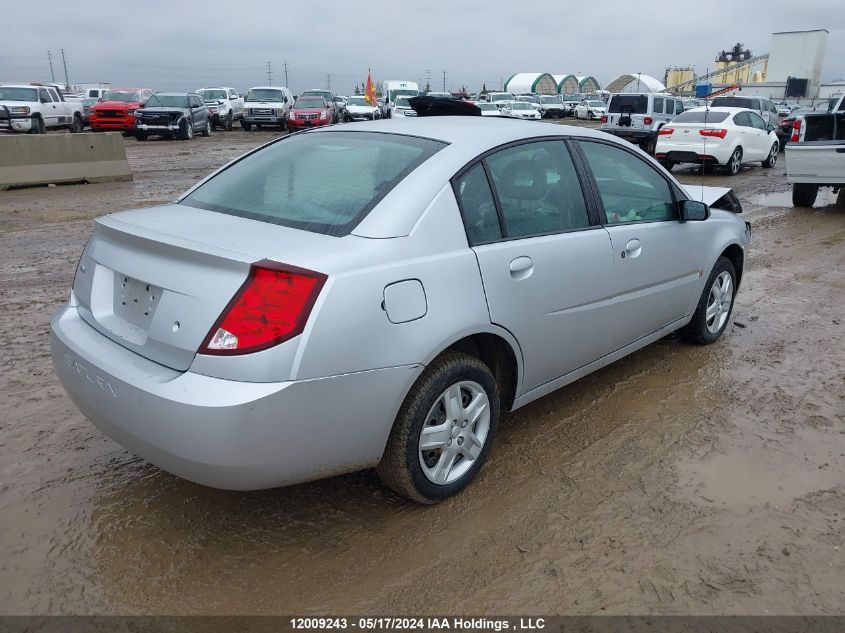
503, 96
700, 116
549, 100
732, 102
521, 105
402, 102
121, 95
357, 101
395, 95
487, 106
18, 94
309, 102
167, 101
629, 104
325, 182
595, 104
318, 93
263, 94
212, 94
833, 102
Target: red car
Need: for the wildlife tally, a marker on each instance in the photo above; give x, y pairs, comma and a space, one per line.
116, 110
310, 111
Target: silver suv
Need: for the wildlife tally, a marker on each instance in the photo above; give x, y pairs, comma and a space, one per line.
638, 117
762, 106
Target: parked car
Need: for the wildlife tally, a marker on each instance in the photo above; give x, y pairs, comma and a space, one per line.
328, 96
340, 102
590, 109
225, 106
521, 110
815, 156
638, 117
785, 125
276, 325
784, 108
690, 104
310, 111
401, 108
359, 109
570, 102
551, 106
762, 106
729, 137
392, 90
488, 109
267, 106
36, 109
115, 111
173, 114
499, 98
88, 104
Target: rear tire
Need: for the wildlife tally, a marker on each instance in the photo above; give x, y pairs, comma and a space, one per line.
772, 158
666, 164
714, 307
230, 122
804, 195
207, 131
188, 133
735, 162
452, 386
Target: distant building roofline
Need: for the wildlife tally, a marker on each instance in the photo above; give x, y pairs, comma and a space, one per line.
802, 31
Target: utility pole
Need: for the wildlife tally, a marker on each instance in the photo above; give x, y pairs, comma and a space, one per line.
64, 63
52, 74
444, 80
269, 74
286, 73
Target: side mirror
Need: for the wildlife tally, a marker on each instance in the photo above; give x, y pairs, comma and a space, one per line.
770, 128
692, 210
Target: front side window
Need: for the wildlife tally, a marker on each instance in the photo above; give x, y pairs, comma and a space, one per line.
44, 96
679, 107
478, 207
631, 190
321, 182
538, 189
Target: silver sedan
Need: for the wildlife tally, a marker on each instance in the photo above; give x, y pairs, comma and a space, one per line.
378, 296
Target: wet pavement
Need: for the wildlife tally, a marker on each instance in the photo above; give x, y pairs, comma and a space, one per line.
681, 479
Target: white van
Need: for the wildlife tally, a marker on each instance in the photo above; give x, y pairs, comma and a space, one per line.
392, 88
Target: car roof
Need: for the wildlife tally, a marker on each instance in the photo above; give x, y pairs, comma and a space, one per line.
728, 109
267, 88
174, 94
22, 86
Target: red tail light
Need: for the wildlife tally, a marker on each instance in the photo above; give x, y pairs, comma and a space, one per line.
720, 133
665, 131
271, 307
648, 120
604, 118
796, 131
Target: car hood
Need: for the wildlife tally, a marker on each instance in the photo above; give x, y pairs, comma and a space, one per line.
116, 105
164, 109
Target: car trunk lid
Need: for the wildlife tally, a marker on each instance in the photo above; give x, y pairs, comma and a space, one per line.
155, 281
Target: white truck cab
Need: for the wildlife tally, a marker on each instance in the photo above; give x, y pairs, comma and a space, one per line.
36, 109
225, 105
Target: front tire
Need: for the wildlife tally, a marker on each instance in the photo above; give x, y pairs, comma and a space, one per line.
804, 195
714, 307
246, 126
37, 126
141, 135
444, 430
230, 122
76, 126
772, 158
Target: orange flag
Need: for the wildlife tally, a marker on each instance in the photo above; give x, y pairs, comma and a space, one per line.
370, 90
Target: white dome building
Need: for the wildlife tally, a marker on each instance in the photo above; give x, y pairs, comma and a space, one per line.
635, 82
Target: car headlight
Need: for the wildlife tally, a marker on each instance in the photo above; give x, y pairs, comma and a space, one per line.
131, 111
280, 111
137, 114
19, 110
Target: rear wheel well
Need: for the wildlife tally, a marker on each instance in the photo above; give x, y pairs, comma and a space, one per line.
498, 355
734, 253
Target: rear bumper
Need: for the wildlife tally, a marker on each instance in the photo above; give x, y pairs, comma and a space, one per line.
223, 433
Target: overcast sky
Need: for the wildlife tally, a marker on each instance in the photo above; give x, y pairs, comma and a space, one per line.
476, 42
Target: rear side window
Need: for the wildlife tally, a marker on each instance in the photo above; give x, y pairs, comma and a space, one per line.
631, 190
479, 208
628, 104
701, 116
324, 182
538, 189
743, 119
658, 105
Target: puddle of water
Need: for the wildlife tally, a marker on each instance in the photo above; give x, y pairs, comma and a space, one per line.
756, 476
826, 198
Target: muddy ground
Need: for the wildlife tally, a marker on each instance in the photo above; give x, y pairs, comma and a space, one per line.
681, 480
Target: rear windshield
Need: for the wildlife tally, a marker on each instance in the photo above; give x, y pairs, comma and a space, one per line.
700, 117
733, 102
628, 104
324, 182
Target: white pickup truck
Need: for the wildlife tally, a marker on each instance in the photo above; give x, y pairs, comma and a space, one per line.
815, 155
36, 109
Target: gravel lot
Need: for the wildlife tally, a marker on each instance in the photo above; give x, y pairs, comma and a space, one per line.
680, 480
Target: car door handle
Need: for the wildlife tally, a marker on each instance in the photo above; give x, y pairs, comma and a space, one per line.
632, 249
521, 267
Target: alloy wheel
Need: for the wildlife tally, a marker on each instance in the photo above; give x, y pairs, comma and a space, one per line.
454, 432
719, 302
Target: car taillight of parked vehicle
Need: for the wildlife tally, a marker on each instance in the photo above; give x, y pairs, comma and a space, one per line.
796, 131
648, 120
719, 133
665, 131
271, 307
604, 118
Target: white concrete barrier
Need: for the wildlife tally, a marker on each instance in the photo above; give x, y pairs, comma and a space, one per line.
27, 159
